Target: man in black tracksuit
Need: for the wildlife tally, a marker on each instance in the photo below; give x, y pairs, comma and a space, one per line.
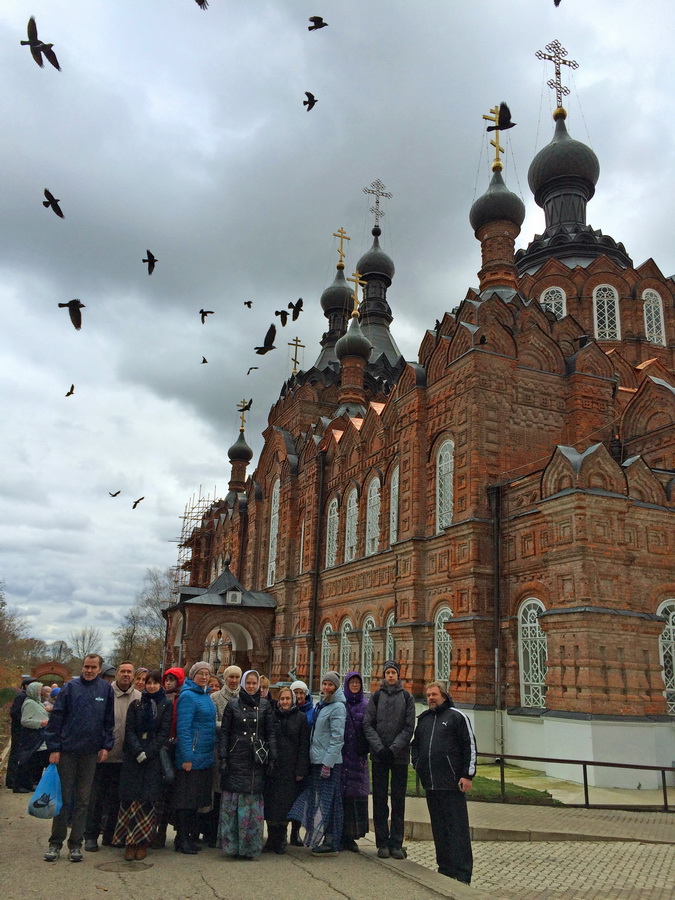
444, 755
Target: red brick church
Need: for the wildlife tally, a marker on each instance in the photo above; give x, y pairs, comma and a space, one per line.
499, 513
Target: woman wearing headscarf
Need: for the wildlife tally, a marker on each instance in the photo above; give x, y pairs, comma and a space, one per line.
304, 702
282, 787
146, 731
195, 740
247, 721
172, 682
355, 774
33, 754
319, 806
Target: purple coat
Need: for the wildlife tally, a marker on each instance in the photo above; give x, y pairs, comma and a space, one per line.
355, 773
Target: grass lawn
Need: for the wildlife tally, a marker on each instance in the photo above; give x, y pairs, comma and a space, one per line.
488, 789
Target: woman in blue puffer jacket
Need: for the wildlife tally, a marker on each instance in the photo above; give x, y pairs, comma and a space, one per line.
195, 742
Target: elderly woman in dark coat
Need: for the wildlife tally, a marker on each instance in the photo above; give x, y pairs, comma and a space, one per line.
33, 753
355, 774
283, 786
247, 720
147, 728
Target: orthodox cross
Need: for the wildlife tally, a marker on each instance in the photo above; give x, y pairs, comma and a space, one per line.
296, 344
357, 280
243, 406
342, 234
377, 188
497, 163
556, 54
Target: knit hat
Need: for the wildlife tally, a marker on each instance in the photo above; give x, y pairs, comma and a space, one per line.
391, 664
197, 666
232, 670
109, 672
302, 686
333, 677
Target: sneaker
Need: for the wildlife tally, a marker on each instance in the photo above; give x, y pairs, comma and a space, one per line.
75, 854
383, 852
324, 850
397, 853
90, 845
52, 854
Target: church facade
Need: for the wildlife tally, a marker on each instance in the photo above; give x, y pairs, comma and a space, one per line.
499, 513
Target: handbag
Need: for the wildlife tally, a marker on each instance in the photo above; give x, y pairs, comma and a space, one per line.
166, 764
261, 750
46, 802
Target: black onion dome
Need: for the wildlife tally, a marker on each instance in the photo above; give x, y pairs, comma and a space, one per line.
240, 450
563, 158
337, 295
498, 203
375, 261
354, 342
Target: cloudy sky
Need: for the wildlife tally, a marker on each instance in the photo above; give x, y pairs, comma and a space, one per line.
184, 132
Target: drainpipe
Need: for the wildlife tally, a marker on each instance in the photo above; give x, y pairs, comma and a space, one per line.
317, 555
494, 492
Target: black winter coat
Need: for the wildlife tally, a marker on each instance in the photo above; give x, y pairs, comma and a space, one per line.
444, 748
244, 719
282, 787
143, 781
389, 722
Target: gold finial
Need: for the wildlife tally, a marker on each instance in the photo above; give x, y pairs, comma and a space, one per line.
497, 164
356, 280
296, 344
377, 188
342, 234
556, 54
244, 406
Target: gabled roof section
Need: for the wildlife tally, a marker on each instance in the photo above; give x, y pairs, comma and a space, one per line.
217, 592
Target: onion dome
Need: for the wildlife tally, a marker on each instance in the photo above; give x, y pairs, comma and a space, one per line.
497, 204
240, 450
562, 158
375, 261
354, 342
338, 295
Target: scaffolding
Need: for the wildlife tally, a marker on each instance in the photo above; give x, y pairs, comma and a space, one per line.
195, 510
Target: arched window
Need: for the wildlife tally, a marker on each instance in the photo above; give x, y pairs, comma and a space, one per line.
326, 632
302, 546
332, 533
606, 310
393, 507
390, 644
345, 648
442, 645
532, 654
274, 535
653, 307
367, 653
445, 466
373, 517
351, 520
554, 299
667, 652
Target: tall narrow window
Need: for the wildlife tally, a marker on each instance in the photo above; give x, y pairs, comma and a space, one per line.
442, 645
653, 307
351, 521
331, 533
390, 642
373, 517
393, 507
345, 647
667, 652
555, 301
532, 654
302, 547
326, 632
274, 534
606, 308
367, 653
445, 466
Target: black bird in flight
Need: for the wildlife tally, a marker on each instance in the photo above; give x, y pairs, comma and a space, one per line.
37, 48
151, 261
204, 360
74, 307
318, 22
202, 4
251, 369
268, 343
503, 119
53, 202
296, 307
136, 502
283, 315
204, 313
247, 406
115, 494
310, 102
248, 303
71, 391
556, 2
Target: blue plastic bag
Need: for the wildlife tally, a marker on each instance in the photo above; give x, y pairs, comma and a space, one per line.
46, 802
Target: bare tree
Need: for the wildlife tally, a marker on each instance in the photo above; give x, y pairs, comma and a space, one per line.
85, 640
140, 637
60, 652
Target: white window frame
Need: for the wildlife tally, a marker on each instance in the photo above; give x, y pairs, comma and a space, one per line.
390, 643
532, 654
326, 632
393, 506
667, 652
606, 308
332, 533
373, 504
653, 316
442, 645
274, 533
367, 652
351, 525
445, 470
554, 299
345, 647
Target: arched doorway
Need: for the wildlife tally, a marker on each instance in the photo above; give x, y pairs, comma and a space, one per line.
229, 644
51, 673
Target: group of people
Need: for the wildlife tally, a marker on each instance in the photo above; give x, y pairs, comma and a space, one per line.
219, 759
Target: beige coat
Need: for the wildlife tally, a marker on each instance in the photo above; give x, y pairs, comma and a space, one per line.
122, 701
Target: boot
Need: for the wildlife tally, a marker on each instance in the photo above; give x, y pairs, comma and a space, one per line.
269, 843
280, 838
159, 841
295, 835
182, 843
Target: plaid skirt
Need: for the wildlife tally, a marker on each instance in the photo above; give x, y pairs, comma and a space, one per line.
136, 824
319, 808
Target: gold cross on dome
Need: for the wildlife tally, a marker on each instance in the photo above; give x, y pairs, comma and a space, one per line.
556, 54
497, 165
243, 406
377, 188
296, 344
356, 281
342, 234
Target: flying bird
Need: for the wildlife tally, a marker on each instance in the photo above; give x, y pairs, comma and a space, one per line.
283, 315
202, 4
74, 307
115, 494
296, 307
268, 343
136, 502
310, 102
251, 369
247, 406
38, 48
503, 119
53, 202
318, 22
556, 2
151, 261
204, 360
71, 391
204, 313
248, 303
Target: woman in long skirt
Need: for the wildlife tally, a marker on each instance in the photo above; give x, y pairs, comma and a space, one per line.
355, 774
247, 731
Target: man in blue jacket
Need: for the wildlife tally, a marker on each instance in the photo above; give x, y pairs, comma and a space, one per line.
444, 755
79, 734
